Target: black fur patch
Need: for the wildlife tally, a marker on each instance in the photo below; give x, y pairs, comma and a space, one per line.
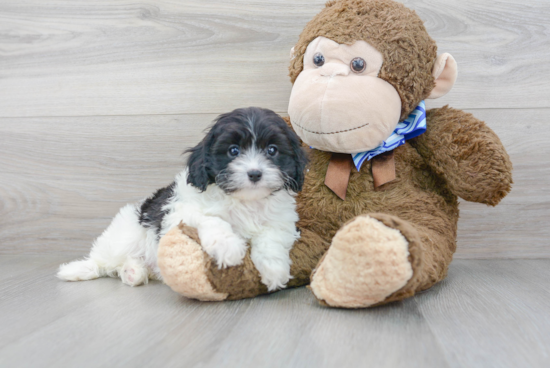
151, 212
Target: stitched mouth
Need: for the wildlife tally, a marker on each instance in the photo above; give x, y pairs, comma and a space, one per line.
340, 131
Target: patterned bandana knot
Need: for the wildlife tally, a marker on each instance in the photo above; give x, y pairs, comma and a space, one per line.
409, 128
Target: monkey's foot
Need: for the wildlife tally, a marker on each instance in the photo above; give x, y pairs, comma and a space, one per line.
183, 265
190, 271
368, 263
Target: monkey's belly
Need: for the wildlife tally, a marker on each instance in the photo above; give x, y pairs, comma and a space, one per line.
414, 196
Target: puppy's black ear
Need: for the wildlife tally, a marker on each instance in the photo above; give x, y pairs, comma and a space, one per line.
197, 165
300, 160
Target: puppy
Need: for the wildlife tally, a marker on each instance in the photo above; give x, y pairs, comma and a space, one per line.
239, 185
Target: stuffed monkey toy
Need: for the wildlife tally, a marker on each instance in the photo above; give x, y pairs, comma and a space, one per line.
378, 210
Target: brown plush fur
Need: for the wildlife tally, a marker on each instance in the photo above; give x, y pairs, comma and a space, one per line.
457, 156
394, 30
451, 147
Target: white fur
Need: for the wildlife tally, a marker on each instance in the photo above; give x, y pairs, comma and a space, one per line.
124, 249
225, 222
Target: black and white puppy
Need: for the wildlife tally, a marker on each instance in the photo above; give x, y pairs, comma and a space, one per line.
239, 185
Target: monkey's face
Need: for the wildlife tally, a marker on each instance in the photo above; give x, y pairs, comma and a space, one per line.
338, 103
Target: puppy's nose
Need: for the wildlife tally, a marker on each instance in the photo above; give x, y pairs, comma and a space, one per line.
254, 175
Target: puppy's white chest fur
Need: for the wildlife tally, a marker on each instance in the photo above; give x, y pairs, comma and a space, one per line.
248, 218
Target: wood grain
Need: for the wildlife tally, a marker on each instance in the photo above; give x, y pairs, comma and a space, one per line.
501, 48
492, 313
82, 58
518, 226
63, 179
97, 102
488, 313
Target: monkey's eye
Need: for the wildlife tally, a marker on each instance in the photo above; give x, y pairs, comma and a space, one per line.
358, 65
234, 151
318, 59
272, 150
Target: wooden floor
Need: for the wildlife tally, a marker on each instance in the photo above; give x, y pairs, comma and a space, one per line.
487, 313
98, 98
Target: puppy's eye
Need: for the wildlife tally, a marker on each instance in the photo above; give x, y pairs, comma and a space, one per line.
272, 150
234, 151
318, 59
358, 65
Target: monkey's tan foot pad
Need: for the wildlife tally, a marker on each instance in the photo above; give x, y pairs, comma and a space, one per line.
184, 266
367, 262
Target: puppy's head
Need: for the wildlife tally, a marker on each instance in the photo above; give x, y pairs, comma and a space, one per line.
249, 153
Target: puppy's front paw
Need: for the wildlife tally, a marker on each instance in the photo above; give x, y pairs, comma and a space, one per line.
228, 249
275, 274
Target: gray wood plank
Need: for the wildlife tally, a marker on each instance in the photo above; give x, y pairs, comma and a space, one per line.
63, 179
105, 323
487, 313
67, 58
31, 297
314, 336
492, 313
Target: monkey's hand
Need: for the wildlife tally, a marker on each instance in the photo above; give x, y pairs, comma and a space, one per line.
467, 153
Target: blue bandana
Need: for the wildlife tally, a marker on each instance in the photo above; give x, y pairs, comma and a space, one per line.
409, 128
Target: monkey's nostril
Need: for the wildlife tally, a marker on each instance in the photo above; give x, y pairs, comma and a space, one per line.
254, 175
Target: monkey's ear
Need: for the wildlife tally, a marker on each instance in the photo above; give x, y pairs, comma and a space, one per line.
445, 72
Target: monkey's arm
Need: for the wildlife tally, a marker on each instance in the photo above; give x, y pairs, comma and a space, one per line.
467, 153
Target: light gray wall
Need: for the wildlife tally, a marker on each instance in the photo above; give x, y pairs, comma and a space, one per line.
99, 98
